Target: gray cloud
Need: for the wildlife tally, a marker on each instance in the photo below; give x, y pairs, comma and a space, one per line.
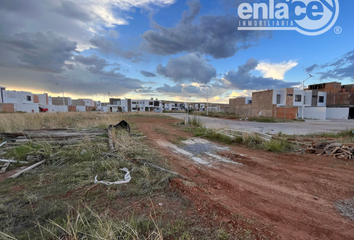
71, 10
214, 35
244, 80
148, 74
311, 68
197, 91
107, 46
92, 60
170, 89
32, 56
192, 67
44, 52
341, 69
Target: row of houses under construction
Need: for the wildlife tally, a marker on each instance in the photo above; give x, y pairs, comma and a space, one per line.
319, 101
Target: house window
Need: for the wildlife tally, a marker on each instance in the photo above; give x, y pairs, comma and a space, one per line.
134, 108
151, 103
249, 101
297, 98
321, 99
278, 98
29, 98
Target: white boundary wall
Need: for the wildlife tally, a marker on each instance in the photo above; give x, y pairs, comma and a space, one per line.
337, 113
61, 108
313, 113
80, 108
28, 107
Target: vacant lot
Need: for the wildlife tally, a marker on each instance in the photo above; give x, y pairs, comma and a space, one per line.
224, 191
285, 196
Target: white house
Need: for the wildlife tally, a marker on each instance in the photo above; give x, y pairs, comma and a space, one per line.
130, 105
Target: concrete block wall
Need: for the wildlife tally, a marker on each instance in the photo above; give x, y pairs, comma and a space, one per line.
262, 103
88, 108
332, 88
59, 101
72, 108
35, 99
7, 107
286, 112
289, 96
239, 107
340, 99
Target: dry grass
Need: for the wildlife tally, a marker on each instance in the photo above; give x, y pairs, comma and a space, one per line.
16, 122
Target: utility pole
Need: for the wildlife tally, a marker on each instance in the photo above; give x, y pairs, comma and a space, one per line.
63, 97
62, 87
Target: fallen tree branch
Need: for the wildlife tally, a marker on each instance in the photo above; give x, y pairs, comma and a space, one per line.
4, 167
11, 161
27, 169
3, 144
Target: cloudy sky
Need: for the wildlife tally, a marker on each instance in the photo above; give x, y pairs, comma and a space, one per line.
167, 49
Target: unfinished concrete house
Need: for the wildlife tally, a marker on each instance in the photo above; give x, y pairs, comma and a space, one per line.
287, 103
340, 98
58, 101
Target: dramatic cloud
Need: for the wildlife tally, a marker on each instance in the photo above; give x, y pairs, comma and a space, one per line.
244, 80
43, 52
148, 74
191, 67
193, 90
340, 69
275, 70
108, 46
71, 10
214, 35
168, 89
92, 60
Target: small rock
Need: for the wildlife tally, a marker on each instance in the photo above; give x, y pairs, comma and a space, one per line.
83, 152
316, 198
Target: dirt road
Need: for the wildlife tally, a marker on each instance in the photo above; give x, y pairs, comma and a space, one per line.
275, 196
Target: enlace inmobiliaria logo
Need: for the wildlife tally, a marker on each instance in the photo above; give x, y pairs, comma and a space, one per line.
309, 17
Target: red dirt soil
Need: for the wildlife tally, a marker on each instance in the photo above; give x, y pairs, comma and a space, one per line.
277, 191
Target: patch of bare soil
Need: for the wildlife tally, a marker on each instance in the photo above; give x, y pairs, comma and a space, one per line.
279, 196
7, 174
